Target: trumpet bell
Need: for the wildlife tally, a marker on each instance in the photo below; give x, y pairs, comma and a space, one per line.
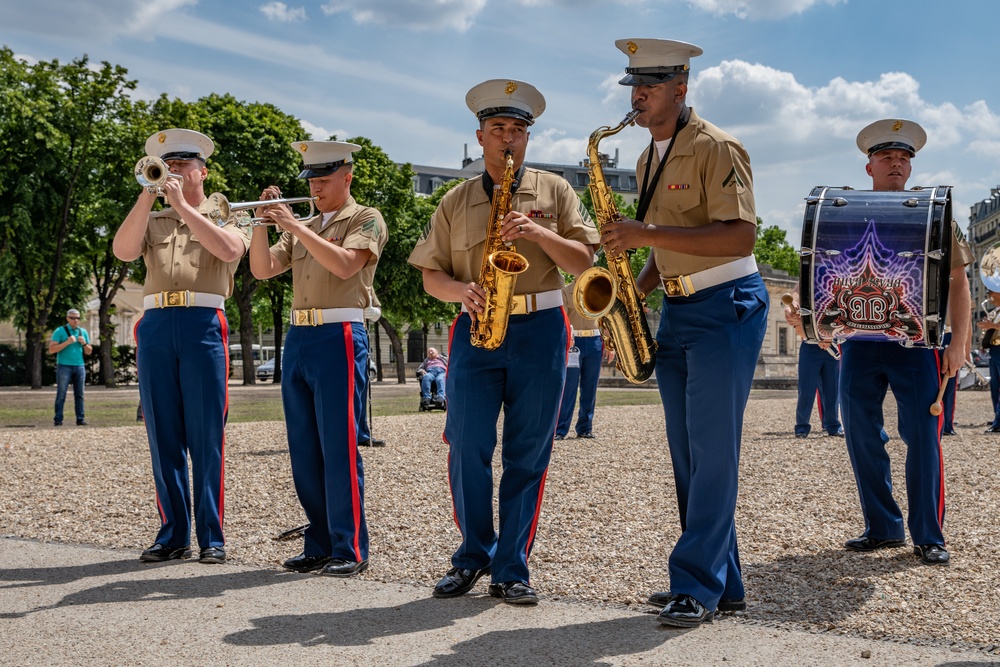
989, 268
152, 172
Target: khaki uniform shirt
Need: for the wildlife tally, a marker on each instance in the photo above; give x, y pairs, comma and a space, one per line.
455, 239
961, 253
176, 260
707, 179
576, 320
352, 227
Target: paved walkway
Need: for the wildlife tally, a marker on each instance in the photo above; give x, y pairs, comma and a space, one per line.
71, 605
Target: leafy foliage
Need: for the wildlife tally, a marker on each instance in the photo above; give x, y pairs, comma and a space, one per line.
772, 248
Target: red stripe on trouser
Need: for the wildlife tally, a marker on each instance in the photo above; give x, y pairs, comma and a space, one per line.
538, 512
454, 509
224, 327
352, 437
819, 406
940, 426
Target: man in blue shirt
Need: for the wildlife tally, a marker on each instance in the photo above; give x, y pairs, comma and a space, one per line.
69, 343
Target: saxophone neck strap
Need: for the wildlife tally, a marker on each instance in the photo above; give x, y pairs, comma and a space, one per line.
649, 186
488, 183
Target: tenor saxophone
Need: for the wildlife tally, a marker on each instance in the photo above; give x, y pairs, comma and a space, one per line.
500, 267
611, 295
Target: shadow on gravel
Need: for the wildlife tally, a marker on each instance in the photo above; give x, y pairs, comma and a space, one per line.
824, 587
180, 587
54, 576
581, 644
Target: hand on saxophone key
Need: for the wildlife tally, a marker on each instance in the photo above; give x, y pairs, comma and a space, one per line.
473, 298
938, 407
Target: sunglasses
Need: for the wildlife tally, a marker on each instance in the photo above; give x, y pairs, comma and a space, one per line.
73, 318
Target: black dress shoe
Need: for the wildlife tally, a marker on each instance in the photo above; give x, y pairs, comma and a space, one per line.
341, 567
212, 555
374, 442
304, 563
81, 422
685, 612
514, 592
992, 429
932, 554
161, 552
664, 598
457, 582
559, 437
871, 544
948, 433
588, 435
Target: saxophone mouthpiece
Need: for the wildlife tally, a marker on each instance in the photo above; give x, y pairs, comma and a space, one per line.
508, 154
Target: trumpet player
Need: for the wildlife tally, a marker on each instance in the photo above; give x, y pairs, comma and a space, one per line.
525, 373
332, 256
991, 343
182, 342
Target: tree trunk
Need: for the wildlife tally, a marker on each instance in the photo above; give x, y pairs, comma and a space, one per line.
277, 297
107, 346
245, 286
397, 348
33, 346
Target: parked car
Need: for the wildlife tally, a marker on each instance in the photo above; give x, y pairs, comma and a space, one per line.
981, 359
265, 371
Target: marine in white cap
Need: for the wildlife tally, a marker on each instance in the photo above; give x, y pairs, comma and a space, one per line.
914, 374
333, 257
526, 372
182, 340
696, 211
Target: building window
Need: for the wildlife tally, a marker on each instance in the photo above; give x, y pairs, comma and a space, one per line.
782, 340
582, 178
632, 184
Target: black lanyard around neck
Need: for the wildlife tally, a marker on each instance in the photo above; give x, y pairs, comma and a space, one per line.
649, 186
488, 182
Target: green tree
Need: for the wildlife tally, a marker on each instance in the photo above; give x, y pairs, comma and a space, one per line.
52, 120
772, 248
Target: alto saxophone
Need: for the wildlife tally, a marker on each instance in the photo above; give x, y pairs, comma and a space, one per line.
611, 294
499, 269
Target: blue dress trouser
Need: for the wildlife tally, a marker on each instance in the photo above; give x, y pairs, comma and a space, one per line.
323, 385
708, 344
995, 384
182, 358
65, 376
819, 373
585, 377
524, 377
868, 369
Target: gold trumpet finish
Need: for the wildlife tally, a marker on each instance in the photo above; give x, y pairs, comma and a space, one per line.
498, 272
611, 294
223, 212
152, 172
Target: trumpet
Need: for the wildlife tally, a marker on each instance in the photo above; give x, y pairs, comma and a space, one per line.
223, 211
151, 172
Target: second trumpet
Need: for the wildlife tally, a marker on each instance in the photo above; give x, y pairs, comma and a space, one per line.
223, 211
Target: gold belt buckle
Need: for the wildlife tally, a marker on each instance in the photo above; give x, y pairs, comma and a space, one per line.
173, 298
519, 304
310, 317
678, 286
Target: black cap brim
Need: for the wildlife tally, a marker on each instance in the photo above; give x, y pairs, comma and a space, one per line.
646, 79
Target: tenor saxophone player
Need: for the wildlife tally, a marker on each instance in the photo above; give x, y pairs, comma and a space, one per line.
696, 211
524, 374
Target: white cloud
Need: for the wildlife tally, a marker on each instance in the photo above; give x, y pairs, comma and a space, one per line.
102, 19
413, 14
759, 9
279, 11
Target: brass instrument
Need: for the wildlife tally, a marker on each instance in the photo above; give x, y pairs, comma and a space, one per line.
152, 172
611, 294
223, 212
499, 270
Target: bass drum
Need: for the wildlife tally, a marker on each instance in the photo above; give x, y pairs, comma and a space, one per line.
875, 265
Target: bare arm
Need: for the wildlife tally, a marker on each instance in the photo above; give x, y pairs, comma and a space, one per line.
959, 305
263, 264
224, 245
442, 286
127, 244
722, 238
341, 262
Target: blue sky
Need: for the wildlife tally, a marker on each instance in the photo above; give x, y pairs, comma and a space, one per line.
795, 80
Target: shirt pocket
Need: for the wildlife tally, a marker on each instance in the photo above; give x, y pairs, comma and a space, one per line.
468, 238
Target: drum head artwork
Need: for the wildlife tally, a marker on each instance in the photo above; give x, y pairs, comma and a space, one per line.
872, 265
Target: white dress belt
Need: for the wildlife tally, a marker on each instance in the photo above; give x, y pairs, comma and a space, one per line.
586, 333
522, 304
185, 298
688, 285
313, 317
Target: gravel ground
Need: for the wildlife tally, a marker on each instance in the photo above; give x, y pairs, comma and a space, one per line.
608, 521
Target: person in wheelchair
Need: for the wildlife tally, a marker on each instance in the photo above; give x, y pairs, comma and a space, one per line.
431, 375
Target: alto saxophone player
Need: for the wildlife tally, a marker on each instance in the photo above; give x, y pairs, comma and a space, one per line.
524, 375
696, 211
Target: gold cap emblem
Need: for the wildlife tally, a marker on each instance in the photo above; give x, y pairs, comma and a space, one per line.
161, 137
897, 126
632, 47
303, 147
511, 87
